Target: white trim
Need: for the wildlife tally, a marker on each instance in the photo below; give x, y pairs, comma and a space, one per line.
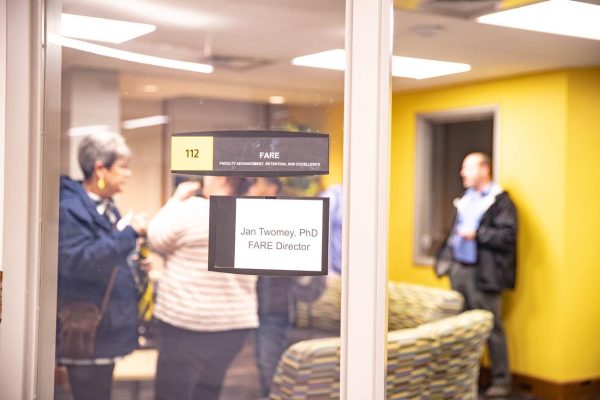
466, 114
2, 113
423, 160
367, 121
16, 342
30, 228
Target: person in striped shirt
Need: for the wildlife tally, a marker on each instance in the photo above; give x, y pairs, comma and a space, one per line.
204, 316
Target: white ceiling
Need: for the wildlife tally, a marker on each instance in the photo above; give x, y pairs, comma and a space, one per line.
278, 30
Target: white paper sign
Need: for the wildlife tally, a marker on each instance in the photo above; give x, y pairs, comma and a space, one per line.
279, 234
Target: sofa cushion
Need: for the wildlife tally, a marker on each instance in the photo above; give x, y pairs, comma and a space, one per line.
437, 360
456, 364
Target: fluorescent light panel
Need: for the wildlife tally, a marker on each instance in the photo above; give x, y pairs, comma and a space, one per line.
145, 122
102, 29
421, 68
150, 88
560, 17
276, 100
130, 56
330, 59
87, 129
405, 67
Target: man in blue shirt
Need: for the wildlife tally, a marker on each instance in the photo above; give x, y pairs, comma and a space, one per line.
480, 256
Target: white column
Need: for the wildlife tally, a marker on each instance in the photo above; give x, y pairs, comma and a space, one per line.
366, 194
15, 337
2, 111
90, 99
30, 202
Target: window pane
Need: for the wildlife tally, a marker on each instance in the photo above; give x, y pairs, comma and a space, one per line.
180, 331
479, 77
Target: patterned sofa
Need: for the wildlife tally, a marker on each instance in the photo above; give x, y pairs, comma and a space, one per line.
433, 351
436, 360
409, 306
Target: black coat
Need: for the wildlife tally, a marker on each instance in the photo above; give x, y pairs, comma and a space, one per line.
279, 294
496, 247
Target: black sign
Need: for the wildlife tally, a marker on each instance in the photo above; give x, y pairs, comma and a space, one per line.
250, 153
283, 236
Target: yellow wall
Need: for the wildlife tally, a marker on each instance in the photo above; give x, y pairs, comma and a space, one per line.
549, 135
335, 127
581, 285
549, 147
327, 119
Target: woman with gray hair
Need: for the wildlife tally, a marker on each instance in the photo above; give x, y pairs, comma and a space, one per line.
94, 249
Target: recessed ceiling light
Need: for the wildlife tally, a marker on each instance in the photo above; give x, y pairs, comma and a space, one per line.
330, 59
421, 68
150, 88
130, 56
276, 100
404, 67
102, 29
145, 122
560, 17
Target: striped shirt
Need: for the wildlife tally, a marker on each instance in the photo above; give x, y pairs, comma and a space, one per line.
189, 296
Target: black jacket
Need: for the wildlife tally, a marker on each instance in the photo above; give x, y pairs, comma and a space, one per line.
496, 247
279, 294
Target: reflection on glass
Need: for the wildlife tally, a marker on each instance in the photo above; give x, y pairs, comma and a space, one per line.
97, 293
171, 329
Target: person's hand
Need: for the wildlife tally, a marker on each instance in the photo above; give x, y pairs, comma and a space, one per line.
139, 223
185, 190
146, 265
468, 234
303, 280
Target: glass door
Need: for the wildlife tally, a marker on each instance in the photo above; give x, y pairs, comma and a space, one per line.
262, 67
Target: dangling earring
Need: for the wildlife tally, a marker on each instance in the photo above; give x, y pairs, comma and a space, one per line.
101, 184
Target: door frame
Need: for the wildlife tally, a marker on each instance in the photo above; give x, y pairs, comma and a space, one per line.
30, 173
30, 228
367, 131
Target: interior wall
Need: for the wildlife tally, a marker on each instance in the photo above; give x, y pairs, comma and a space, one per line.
325, 119
580, 327
90, 98
532, 160
201, 114
143, 192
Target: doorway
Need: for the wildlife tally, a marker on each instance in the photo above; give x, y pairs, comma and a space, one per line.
443, 141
